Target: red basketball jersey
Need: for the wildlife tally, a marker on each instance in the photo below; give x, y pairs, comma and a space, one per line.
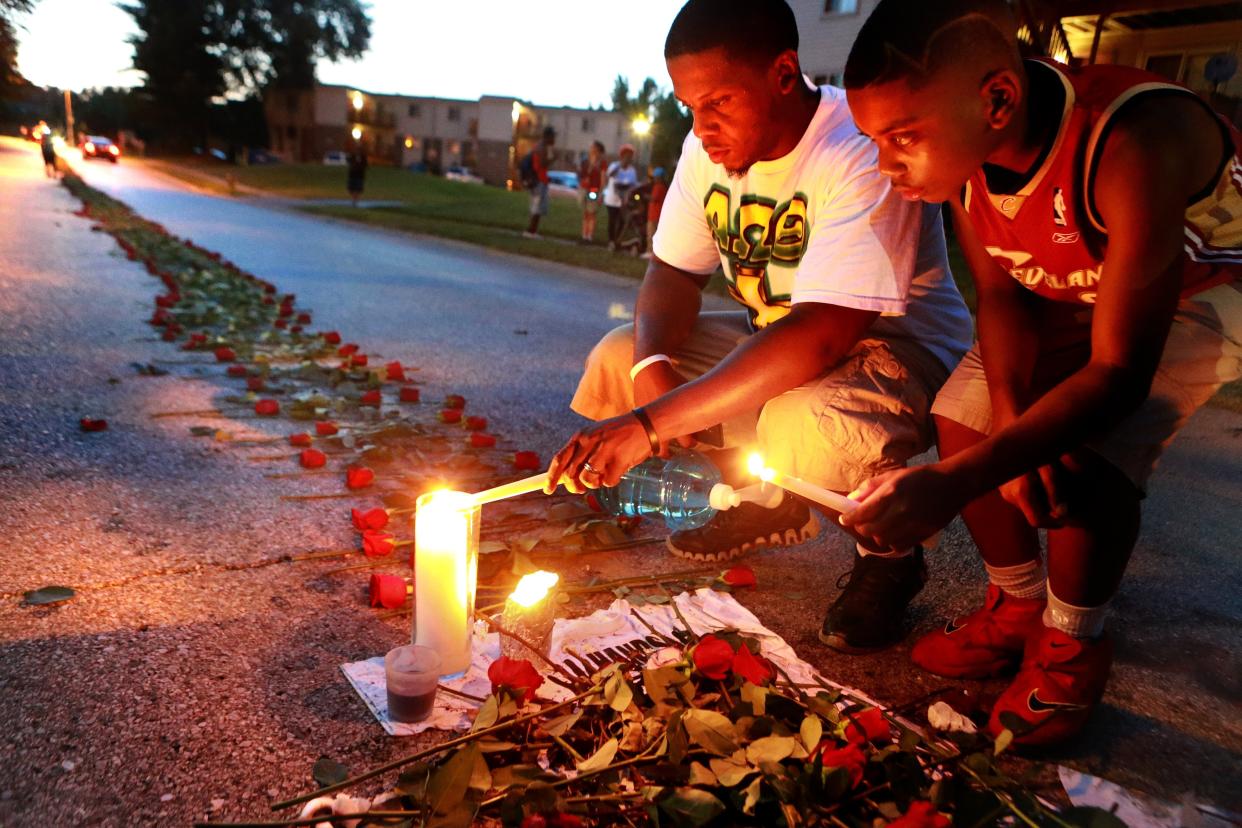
1049, 236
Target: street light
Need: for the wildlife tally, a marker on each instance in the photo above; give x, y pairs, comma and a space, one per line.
357, 133
357, 101
641, 125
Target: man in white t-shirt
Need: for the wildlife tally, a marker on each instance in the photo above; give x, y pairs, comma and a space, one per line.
851, 320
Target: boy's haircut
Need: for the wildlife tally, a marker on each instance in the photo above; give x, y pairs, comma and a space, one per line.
754, 30
913, 40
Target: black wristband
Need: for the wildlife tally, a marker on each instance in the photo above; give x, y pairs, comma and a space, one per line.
652, 437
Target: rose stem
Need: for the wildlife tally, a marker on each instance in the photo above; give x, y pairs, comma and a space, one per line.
422, 754
495, 625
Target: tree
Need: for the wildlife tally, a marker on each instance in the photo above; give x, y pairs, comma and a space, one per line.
11, 80
639, 104
669, 121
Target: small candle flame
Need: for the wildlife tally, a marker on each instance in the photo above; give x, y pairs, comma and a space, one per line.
756, 466
533, 588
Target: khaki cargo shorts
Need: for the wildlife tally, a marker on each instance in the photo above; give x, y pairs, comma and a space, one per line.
1203, 352
869, 414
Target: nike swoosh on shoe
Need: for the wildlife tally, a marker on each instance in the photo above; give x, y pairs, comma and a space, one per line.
1038, 705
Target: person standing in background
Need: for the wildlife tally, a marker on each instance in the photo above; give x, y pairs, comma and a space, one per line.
658, 189
49, 150
535, 178
590, 182
357, 173
622, 175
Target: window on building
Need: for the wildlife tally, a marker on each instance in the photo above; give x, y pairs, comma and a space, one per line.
416, 111
587, 125
454, 113
840, 6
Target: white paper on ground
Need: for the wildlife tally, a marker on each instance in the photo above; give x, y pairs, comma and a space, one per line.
586, 645
1138, 810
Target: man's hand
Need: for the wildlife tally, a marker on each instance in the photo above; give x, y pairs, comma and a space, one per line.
904, 507
1040, 496
599, 454
654, 382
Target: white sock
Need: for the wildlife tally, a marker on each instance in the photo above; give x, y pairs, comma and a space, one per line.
1022, 581
1079, 622
900, 553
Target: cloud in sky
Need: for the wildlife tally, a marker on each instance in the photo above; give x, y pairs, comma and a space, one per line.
555, 52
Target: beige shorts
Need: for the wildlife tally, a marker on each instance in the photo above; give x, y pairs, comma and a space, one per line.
869, 414
1203, 352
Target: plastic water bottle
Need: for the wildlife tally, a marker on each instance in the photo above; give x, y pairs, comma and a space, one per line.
684, 491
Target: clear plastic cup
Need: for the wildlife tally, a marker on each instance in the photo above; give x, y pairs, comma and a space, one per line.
411, 673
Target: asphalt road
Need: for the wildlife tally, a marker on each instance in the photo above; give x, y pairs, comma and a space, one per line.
178, 686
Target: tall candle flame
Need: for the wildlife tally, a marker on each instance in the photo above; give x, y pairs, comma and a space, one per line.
533, 588
756, 466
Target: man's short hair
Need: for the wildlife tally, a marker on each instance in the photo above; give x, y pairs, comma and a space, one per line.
914, 39
755, 30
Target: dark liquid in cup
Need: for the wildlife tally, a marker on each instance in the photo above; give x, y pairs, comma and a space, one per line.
410, 708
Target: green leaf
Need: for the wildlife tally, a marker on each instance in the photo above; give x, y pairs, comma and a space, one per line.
601, 758
811, 732
481, 778
770, 749
561, 724
691, 806
413, 780
752, 795
731, 771
49, 595
711, 731
756, 696
519, 776
617, 692
700, 775
328, 772
488, 745
1003, 740
202, 431
657, 599
446, 789
488, 713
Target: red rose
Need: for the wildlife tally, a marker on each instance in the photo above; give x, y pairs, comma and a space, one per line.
300, 440
295, 329
359, 477
225, 354
377, 544
450, 415
237, 370
371, 520
739, 576
394, 372
267, 300
476, 424
90, 424
281, 323
552, 820
712, 657
267, 408
160, 317
480, 440
526, 460
312, 458
268, 287
874, 727
850, 757
387, 591
592, 502
755, 669
285, 311
304, 318
331, 337
326, 428
169, 335
518, 676
358, 360
348, 349
255, 383
371, 397
921, 814
409, 394
454, 401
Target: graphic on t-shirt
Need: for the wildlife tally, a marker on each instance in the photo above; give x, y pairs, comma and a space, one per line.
758, 234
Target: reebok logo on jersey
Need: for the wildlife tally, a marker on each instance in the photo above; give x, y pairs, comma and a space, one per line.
1065, 238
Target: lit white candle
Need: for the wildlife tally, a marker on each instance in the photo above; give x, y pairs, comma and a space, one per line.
818, 494
528, 613
446, 547
517, 487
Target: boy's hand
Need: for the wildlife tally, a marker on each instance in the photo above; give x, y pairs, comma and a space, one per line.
902, 508
1040, 496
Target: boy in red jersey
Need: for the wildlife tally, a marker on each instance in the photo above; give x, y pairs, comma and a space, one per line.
1100, 211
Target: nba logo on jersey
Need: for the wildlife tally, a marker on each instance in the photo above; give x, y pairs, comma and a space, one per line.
1058, 207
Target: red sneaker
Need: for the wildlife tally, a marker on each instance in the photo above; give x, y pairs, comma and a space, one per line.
985, 643
1061, 680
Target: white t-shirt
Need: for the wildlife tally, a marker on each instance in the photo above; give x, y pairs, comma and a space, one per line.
625, 176
820, 224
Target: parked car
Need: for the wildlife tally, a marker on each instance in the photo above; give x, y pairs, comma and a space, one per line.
336, 158
462, 174
562, 182
97, 146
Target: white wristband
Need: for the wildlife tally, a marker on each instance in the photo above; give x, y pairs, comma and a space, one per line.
643, 363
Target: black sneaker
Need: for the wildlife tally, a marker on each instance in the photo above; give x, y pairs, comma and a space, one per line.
744, 527
870, 612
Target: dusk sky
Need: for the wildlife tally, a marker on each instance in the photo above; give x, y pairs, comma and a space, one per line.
557, 52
